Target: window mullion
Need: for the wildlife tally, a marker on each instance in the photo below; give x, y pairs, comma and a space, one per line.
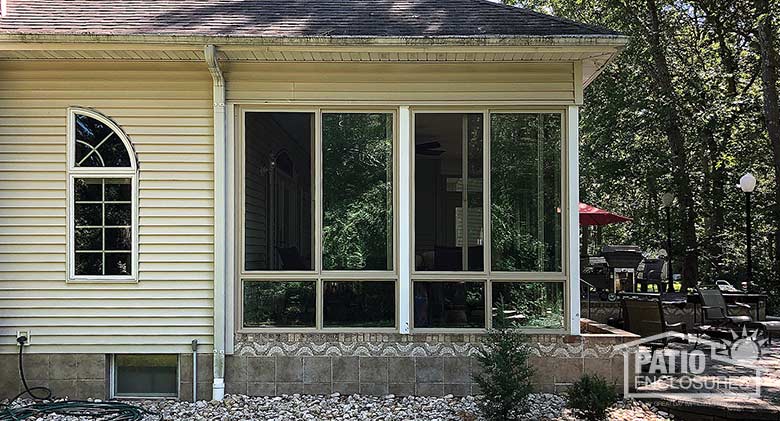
103, 229
464, 196
318, 179
487, 205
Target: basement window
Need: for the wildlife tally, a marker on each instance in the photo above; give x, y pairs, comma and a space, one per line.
145, 376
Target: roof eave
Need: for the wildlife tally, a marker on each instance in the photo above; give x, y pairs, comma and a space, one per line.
232, 41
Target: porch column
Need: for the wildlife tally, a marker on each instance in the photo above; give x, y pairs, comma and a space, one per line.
404, 218
573, 201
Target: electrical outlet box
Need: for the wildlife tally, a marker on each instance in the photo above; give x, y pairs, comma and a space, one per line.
20, 333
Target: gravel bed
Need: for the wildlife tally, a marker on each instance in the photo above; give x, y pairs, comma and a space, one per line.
543, 407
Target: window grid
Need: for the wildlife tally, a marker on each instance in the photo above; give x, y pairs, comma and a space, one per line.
103, 202
125, 169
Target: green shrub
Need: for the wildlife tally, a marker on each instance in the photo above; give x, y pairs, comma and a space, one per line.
591, 396
505, 381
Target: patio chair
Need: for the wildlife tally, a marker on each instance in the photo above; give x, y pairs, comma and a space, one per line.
646, 318
715, 311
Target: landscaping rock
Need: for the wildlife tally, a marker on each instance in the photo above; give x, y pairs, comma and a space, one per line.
336, 407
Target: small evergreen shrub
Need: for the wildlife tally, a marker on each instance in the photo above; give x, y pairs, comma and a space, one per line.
505, 381
591, 396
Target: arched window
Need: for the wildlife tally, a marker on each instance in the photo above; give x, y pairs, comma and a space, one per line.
102, 171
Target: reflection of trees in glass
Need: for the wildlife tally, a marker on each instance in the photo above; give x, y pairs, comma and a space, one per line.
359, 304
97, 145
357, 191
279, 304
102, 218
530, 304
526, 196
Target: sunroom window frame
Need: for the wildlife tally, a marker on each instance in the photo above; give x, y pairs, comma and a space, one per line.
487, 276
75, 172
319, 276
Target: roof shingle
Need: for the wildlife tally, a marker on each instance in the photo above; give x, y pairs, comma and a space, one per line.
283, 18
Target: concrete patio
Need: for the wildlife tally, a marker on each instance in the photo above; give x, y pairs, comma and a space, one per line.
726, 406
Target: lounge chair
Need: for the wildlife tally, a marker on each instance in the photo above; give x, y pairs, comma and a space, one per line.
716, 312
646, 318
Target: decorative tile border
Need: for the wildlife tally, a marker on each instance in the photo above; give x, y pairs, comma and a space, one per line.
396, 345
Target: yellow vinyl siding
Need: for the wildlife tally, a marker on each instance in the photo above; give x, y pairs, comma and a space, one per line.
165, 109
403, 83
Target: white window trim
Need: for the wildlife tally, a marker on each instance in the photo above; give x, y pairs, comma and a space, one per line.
101, 172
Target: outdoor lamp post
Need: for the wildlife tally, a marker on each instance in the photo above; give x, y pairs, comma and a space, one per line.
667, 200
748, 183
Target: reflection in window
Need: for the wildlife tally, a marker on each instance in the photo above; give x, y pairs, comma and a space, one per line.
102, 219
526, 192
448, 192
279, 304
97, 145
279, 181
359, 304
530, 304
449, 304
357, 165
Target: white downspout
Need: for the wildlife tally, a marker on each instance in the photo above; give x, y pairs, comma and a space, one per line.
218, 389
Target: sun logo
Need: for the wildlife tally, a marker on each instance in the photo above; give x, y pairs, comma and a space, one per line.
745, 347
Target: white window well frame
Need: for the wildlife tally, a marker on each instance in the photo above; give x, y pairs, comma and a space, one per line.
113, 378
75, 172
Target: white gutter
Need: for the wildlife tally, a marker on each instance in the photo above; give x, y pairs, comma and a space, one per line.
228, 42
218, 389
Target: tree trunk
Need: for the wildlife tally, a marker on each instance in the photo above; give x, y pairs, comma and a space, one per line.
682, 180
769, 63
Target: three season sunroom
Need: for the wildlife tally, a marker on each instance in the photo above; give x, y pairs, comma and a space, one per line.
413, 219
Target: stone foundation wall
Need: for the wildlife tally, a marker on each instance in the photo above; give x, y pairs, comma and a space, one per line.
375, 364
421, 364
77, 376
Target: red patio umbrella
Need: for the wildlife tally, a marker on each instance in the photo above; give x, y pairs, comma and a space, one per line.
591, 215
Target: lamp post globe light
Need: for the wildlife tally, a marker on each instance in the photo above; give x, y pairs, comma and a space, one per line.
666, 200
748, 184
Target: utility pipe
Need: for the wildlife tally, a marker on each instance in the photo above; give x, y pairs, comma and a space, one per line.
218, 388
194, 370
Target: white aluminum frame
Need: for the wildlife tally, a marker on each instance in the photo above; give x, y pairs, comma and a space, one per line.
318, 275
487, 276
100, 172
404, 211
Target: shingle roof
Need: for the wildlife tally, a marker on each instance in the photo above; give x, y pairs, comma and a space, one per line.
280, 18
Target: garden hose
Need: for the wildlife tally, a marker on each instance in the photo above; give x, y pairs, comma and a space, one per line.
44, 405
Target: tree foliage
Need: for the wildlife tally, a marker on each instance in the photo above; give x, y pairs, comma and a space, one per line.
628, 157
